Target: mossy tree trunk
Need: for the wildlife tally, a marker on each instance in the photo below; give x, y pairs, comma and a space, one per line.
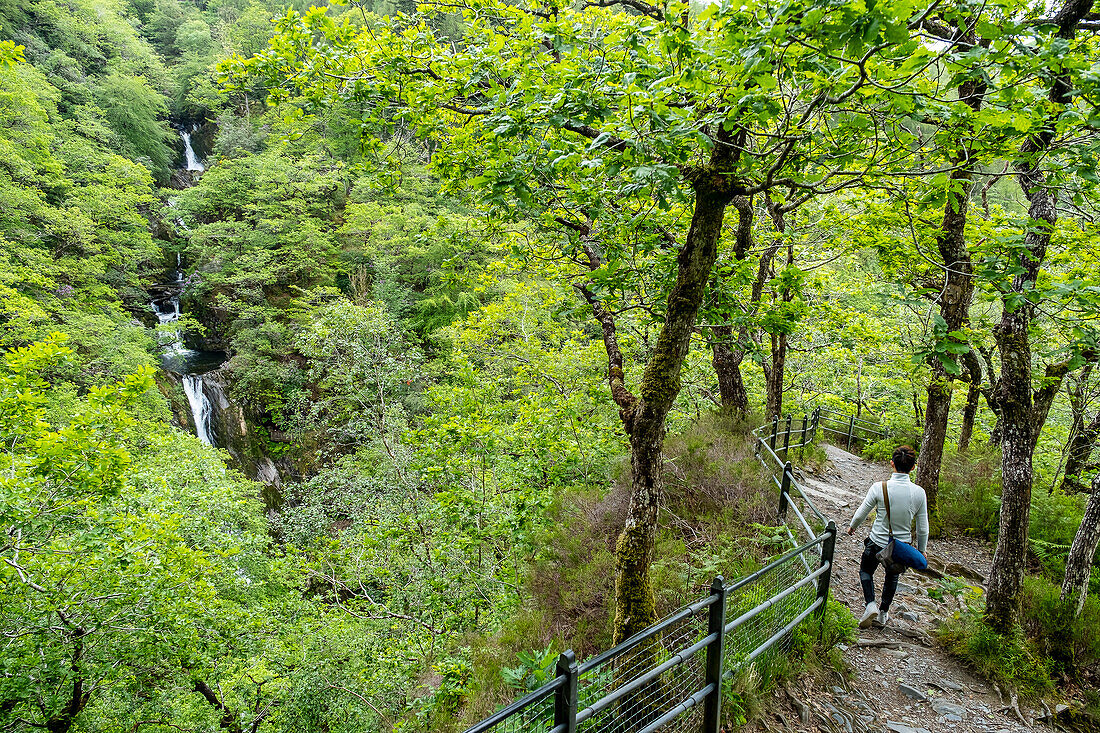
1075, 586
1021, 418
955, 299
644, 416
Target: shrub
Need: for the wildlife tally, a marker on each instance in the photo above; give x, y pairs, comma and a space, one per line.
1007, 659
711, 468
1071, 644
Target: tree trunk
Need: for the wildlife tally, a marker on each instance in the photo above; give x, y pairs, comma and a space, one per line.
728, 352
1079, 455
1012, 335
955, 299
644, 419
727, 367
970, 412
936, 412
774, 376
776, 369
1016, 469
1082, 435
1075, 587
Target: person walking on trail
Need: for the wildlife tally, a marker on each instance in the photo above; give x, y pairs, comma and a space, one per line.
907, 502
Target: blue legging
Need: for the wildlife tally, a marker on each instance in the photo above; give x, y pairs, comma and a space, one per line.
868, 564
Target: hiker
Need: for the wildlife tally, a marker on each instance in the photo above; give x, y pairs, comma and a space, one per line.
907, 500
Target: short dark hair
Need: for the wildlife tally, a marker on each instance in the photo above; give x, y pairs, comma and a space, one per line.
904, 458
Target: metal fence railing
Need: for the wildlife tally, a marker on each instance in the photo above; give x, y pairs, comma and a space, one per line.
669, 677
853, 430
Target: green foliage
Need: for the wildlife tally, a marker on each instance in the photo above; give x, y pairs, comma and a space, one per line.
1068, 642
1010, 660
970, 493
100, 544
535, 669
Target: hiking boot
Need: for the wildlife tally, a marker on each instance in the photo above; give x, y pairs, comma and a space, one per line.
883, 619
869, 616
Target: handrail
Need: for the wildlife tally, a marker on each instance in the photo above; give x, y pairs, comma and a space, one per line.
846, 416
526, 701
682, 708
805, 524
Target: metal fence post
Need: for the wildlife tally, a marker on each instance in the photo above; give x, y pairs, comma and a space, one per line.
784, 491
716, 622
787, 437
827, 549
814, 421
802, 440
565, 699
775, 431
851, 427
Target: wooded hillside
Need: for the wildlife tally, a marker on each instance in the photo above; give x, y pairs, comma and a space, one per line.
354, 354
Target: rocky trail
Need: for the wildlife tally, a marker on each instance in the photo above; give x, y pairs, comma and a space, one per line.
901, 681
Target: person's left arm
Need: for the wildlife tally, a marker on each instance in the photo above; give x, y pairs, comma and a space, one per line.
922, 523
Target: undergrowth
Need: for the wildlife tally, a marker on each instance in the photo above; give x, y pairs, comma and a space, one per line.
970, 493
1009, 660
1048, 648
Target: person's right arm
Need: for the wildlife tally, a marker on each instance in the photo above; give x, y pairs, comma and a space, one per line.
864, 509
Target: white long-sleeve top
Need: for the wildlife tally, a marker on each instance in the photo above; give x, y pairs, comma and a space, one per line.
907, 502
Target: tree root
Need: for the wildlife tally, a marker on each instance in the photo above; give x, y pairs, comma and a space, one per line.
802, 708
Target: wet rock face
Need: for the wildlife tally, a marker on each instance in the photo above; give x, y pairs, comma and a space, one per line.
215, 324
247, 441
181, 179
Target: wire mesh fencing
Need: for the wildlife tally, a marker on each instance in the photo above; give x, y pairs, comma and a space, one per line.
665, 677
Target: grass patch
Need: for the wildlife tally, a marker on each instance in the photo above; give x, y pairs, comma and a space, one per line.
1010, 660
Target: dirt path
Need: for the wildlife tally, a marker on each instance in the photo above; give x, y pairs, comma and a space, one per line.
902, 682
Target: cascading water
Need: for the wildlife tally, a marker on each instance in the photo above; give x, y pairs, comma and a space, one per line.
189, 364
200, 407
190, 159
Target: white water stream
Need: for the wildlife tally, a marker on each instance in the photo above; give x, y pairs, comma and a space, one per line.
200, 407
176, 352
192, 161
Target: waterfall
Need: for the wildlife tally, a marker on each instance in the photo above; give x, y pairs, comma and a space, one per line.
204, 396
200, 407
187, 363
192, 161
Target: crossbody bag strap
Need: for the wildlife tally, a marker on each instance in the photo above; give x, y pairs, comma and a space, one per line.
886, 498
